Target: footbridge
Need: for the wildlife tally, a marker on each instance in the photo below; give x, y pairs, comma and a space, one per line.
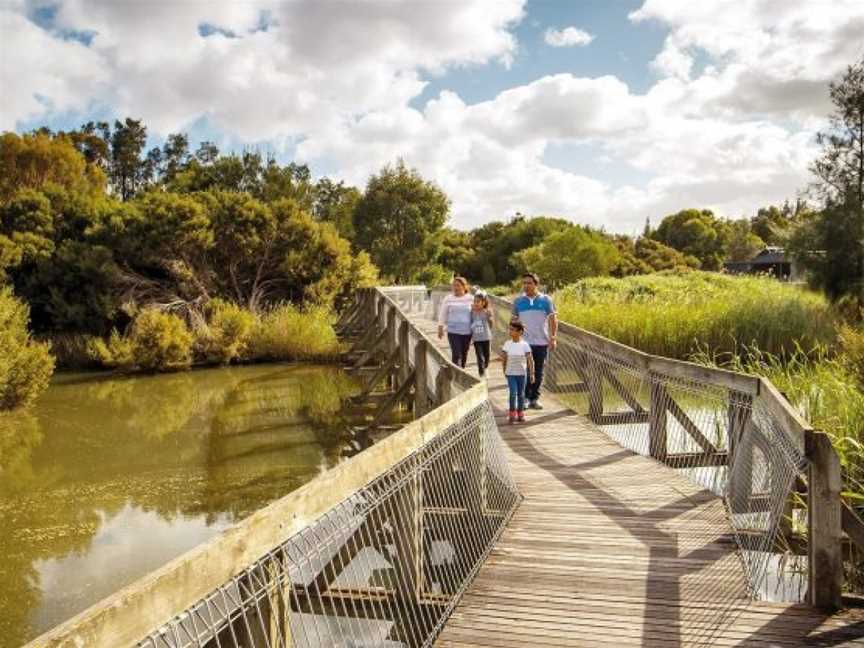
652, 503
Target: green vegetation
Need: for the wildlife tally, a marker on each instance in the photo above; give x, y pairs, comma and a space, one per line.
25, 365
287, 333
397, 220
159, 341
677, 314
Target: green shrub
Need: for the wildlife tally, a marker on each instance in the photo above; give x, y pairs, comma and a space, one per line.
161, 341
291, 333
677, 313
25, 365
115, 353
226, 334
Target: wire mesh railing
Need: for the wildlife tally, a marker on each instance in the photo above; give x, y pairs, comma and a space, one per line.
713, 427
375, 552
382, 568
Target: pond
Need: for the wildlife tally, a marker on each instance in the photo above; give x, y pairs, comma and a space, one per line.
108, 478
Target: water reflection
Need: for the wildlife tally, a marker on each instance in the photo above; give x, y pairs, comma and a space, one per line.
109, 478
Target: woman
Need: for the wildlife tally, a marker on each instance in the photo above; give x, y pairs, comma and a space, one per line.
455, 315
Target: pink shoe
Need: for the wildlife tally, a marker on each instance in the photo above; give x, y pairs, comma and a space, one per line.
511, 416
520, 416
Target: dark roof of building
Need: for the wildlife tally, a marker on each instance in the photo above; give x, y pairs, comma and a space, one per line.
770, 256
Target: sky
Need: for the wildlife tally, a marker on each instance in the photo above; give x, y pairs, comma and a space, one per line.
605, 112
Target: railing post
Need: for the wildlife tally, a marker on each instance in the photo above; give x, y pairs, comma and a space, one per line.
595, 386
404, 351
420, 399
390, 340
444, 385
657, 444
825, 559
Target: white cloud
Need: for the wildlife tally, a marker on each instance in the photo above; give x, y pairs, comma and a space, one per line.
567, 37
728, 123
315, 64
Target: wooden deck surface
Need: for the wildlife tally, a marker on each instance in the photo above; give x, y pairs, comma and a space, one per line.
613, 549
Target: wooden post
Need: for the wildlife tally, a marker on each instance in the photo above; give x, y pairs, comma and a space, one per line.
421, 402
595, 388
444, 385
390, 341
407, 523
657, 443
824, 522
404, 351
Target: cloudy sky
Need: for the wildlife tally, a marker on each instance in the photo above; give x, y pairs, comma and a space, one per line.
602, 111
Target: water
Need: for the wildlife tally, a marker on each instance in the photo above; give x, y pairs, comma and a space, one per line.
108, 478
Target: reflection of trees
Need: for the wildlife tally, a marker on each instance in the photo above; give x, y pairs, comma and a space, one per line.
19, 587
272, 436
204, 442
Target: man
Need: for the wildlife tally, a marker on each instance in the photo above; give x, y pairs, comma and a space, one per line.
537, 313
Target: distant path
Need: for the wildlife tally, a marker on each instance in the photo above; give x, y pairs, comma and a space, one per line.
610, 548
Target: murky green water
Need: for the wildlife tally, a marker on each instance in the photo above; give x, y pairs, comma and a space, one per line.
109, 478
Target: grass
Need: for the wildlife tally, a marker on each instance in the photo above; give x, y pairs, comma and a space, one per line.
291, 333
676, 314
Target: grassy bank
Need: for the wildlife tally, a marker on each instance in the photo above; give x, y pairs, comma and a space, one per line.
679, 314
226, 333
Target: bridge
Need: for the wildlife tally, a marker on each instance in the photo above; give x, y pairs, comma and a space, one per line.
652, 503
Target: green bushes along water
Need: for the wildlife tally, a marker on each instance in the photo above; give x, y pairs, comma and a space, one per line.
159, 341
25, 365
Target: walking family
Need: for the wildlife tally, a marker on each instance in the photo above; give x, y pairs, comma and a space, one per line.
533, 332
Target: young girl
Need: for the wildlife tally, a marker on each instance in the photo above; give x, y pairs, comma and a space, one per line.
518, 365
481, 329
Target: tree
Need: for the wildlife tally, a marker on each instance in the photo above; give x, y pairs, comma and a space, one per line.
129, 172
456, 251
37, 160
830, 243
743, 243
826, 245
397, 221
660, 257
775, 225
569, 255
495, 244
335, 203
840, 167
696, 233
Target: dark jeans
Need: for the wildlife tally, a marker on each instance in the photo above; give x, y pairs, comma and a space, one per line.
459, 345
539, 353
481, 348
516, 384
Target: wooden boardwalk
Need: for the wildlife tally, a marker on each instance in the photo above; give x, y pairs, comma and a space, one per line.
613, 549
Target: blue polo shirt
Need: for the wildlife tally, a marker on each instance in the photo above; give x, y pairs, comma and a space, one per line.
534, 313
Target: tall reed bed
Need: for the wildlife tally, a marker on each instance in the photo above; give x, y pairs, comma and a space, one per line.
677, 314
